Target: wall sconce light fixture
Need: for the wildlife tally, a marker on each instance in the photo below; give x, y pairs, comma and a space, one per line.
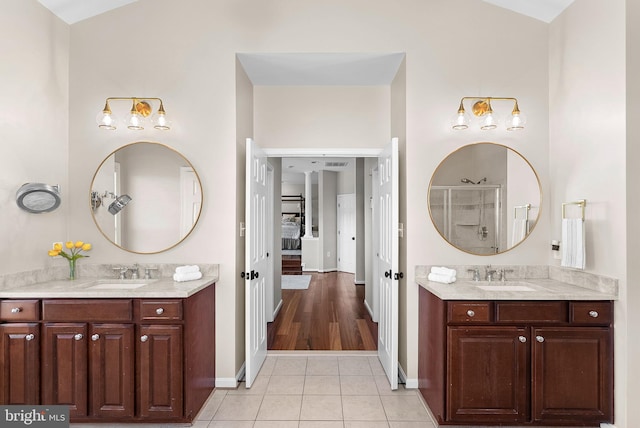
140, 110
482, 108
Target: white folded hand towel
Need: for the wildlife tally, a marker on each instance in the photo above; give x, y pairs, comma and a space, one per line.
445, 279
189, 276
187, 269
441, 270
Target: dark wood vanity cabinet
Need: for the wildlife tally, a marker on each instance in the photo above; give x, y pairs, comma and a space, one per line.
516, 362
20, 352
111, 360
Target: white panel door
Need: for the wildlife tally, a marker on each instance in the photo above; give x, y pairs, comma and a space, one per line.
347, 233
388, 261
256, 261
190, 199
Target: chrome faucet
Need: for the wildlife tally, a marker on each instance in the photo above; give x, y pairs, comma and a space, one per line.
502, 274
122, 272
476, 274
134, 271
488, 273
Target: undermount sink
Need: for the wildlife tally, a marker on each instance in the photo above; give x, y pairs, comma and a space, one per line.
122, 284
506, 287
116, 286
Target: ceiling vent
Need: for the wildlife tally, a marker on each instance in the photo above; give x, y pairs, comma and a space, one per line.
335, 164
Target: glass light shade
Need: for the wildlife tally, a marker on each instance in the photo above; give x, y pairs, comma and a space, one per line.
135, 121
515, 122
488, 121
106, 120
160, 121
460, 121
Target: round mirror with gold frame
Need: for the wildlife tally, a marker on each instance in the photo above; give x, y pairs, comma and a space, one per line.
145, 197
484, 198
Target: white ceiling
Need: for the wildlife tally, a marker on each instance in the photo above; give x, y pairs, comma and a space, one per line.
543, 10
293, 168
72, 11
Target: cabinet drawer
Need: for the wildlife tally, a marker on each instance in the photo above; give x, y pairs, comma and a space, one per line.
469, 312
597, 313
86, 310
19, 310
160, 310
531, 312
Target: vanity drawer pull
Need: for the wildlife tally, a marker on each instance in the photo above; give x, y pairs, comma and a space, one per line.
29, 337
466, 312
19, 310
78, 336
591, 313
160, 309
522, 339
540, 339
95, 337
144, 338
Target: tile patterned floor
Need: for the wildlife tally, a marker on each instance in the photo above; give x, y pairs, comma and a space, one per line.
325, 391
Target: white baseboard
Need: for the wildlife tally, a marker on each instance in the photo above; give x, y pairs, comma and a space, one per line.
277, 309
408, 383
230, 382
603, 425
358, 282
366, 305
328, 270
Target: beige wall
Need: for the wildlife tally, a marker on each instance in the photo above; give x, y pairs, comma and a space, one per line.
34, 118
186, 55
588, 148
629, 366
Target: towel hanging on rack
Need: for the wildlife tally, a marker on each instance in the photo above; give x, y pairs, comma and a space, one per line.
573, 243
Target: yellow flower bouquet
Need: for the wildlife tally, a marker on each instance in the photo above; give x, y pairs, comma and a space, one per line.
72, 255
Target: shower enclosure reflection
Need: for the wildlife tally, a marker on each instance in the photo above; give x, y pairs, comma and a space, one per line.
469, 217
146, 197
484, 198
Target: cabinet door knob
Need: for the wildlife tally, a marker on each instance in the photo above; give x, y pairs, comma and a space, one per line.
522, 339
160, 311
593, 314
29, 337
471, 313
95, 337
540, 339
16, 310
78, 336
144, 338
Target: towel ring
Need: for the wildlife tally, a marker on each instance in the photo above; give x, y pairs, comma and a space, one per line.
581, 203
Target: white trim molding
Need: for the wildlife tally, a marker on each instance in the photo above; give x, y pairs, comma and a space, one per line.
229, 382
408, 383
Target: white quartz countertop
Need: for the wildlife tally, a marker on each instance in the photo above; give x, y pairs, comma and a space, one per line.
90, 288
521, 289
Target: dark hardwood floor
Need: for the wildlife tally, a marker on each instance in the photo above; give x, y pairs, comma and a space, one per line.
329, 316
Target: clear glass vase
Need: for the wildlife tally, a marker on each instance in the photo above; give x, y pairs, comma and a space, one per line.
72, 269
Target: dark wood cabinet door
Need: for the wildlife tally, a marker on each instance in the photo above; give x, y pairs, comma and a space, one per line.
64, 366
572, 374
487, 372
111, 359
20, 363
159, 360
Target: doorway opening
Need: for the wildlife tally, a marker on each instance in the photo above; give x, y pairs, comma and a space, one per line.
326, 298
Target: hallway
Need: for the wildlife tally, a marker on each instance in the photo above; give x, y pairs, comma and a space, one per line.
328, 316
